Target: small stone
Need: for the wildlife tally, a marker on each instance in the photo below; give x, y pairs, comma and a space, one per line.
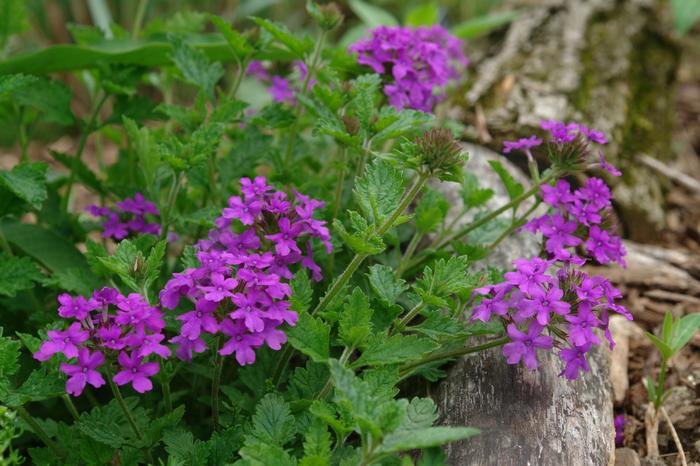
652, 462
626, 457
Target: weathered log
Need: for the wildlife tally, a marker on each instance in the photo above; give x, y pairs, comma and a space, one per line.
527, 417
606, 63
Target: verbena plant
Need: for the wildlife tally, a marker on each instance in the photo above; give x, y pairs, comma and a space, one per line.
258, 275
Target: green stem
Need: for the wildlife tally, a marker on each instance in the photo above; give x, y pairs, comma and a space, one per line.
71, 407
242, 65
40, 432
408, 368
79, 153
513, 226
310, 72
660, 383
216, 380
409, 317
347, 351
165, 384
127, 412
343, 156
138, 21
408, 254
170, 205
23, 142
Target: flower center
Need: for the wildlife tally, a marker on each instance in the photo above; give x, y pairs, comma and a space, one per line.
199, 314
134, 370
67, 339
85, 370
239, 338
528, 343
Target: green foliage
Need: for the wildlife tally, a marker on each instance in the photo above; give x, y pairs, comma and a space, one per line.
485, 24
379, 191
311, 336
686, 14
355, 322
196, 68
430, 211
385, 284
273, 422
394, 350
513, 187
444, 278
372, 15
17, 274
27, 181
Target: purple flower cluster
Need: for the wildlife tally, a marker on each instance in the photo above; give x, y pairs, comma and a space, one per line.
128, 217
281, 89
546, 302
107, 326
620, 430
419, 62
241, 290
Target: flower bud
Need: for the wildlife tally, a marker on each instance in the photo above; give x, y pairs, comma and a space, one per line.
352, 125
328, 16
440, 152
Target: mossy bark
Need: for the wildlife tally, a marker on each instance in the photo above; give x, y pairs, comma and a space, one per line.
606, 63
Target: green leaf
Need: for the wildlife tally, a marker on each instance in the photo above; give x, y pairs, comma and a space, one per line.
41, 384
153, 264
317, 444
433, 457
264, 454
362, 242
378, 192
668, 327
651, 389
385, 284
273, 423
13, 82
196, 67
513, 188
124, 262
9, 353
52, 98
426, 14
27, 181
17, 274
685, 14
182, 446
394, 350
372, 15
444, 278
106, 424
420, 413
430, 211
46, 246
481, 25
685, 329
666, 351
355, 322
412, 439
298, 46
238, 43
302, 292
155, 430
307, 382
311, 336
440, 326
141, 144
472, 195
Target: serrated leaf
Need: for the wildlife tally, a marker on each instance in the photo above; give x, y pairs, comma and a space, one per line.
362, 242
317, 443
182, 446
513, 187
385, 284
378, 192
685, 329
17, 274
9, 353
302, 292
444, 278
236, 40
420, 413
104, 424
439, 326
394, 350
123, 262
412, 439
273, 422
141, 144
264, 454
472, 195
154, 263
155, 430
284, 36
52, 98
82, 172
27, 181
306, 382
372, 15
311, 336
355, 321
41, 385
196, 67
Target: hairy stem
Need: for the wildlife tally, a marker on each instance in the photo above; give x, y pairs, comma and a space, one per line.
216, 380
170, 205
408, 368
408, 254
409, 317
40, 432
310, 72
71, 407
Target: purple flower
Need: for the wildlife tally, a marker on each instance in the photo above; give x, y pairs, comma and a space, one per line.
607, 167
545, 304
281, 90
581, 326
575, 359
256, 188
66, 342
243, 211
595, 192
128, 217
220, 288
419, 63
620, 430
524, 144
285, 239
604, 247
78, 307
559, 131
559, 195
240, 342
559, 234
530, 275
84, 373
111, 337
197, 321
257, 69
592, 135
186, 347
523, 346
135, 371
